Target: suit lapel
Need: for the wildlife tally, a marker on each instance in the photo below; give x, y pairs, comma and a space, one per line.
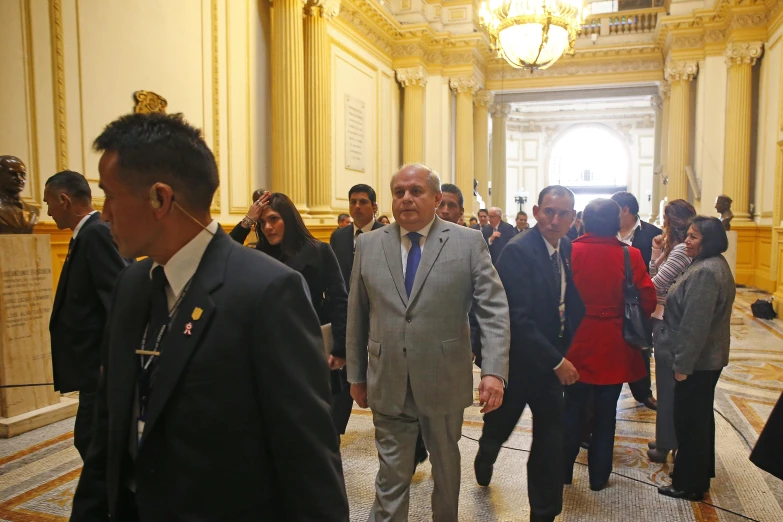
435, 241
391, 248
178, 346
545, 265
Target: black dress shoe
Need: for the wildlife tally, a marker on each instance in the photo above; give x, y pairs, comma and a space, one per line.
483, 467
420, 456
598, 486
659, 455
652, 445
651, 403
541, 518
670, 491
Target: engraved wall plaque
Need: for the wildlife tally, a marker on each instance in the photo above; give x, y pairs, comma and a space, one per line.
354, 134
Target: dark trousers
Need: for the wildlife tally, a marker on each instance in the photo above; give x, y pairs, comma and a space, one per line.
694, 423
642, 389
544, 395
599, 456
341, 401
82, 428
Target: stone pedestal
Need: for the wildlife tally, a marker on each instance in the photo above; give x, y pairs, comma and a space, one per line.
731, 253
25, 306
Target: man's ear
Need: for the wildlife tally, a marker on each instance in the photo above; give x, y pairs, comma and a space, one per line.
375, 208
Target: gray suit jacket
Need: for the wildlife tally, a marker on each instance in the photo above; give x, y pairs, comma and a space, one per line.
696, 328
424, 338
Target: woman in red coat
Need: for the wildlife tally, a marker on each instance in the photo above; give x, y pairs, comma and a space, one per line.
599, 352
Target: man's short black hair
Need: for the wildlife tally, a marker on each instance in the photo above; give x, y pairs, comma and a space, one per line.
714, 241
361, 187
601, 217
453, 189
471, 220
484, 211
521, 213
626, 199
164, 148
341, 217
557, 190
72, 183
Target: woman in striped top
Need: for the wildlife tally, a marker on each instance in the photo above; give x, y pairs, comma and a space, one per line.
668, 262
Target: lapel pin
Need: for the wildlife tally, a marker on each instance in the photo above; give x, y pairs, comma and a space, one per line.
196, 315
188, 329
147, 352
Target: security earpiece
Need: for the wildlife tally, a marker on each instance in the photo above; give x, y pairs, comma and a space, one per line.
155, 200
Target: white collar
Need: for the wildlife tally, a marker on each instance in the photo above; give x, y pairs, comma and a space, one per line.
365, 228
182, 265
628, 239
81, 223
550, 248
424, 231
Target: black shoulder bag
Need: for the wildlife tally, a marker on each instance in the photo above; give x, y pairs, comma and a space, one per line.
637, 330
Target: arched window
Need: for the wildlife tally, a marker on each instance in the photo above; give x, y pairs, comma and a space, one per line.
592, 160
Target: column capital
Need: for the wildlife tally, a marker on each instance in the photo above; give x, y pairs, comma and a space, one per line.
681, 70
664, 90
412, 76
326, 8
483, 98
743, 53
463, 84
501, 110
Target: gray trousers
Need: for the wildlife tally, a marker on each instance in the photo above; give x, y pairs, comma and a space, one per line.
395, 439
665, 438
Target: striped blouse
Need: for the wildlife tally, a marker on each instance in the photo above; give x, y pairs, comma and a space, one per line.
664, 275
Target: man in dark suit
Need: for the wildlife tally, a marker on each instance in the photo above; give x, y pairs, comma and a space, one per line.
497, 233
452, 207
81, 303
638, 234
214, 401
545, 311
483, 219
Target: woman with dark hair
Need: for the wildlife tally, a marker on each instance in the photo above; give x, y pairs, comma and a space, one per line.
285, 237
599, 352
696, 331
668, 262
384, 220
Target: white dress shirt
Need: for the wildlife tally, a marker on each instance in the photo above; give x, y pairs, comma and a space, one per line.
366, 228
182, 265
629, 238
81, 223
405, 243
552, 250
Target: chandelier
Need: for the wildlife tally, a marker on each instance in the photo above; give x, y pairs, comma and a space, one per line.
531, 34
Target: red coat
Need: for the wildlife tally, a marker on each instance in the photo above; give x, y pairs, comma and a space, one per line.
598, 350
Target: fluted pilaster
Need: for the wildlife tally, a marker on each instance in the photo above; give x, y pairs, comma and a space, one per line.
679, 74
464, 88
413, 80
481, 103
288, 109
661, 147
318, 105
740, 58
500, 112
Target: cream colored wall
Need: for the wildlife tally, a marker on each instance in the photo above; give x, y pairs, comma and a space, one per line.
359, 72
208, 58
710, 131
768, 132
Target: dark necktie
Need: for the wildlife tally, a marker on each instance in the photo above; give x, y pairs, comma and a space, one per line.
156, 329
355, 237
556, 272
70, 246
414, 256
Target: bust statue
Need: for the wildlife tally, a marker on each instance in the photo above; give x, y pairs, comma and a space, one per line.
16, 216
723, 205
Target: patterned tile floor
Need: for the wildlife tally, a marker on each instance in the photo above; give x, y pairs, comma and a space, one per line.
39, 470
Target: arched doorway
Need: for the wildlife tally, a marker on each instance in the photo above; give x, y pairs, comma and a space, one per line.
592, 160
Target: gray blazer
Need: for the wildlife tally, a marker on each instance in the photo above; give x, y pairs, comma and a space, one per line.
696, 329
424, 338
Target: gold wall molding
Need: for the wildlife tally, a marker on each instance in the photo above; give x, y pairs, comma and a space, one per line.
32, 162
215, 48
148, 102
58, 69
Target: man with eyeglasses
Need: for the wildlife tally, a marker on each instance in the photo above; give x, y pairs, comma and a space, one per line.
545, 311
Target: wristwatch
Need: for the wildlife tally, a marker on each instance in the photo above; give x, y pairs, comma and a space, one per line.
247, 222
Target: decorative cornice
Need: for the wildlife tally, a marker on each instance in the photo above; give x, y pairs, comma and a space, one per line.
412, 76
500, 110
681, 70
692, 41
749, 20
619, 63
483, 98
326, 8
739, 53
464, 84
361, 25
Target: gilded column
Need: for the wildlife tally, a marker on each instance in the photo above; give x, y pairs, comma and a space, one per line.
464, 88
318, 105
481, 103
413, 80
740, 58
679, 74
288, 106
500, 112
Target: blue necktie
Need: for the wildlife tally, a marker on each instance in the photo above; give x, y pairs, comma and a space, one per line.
414, 256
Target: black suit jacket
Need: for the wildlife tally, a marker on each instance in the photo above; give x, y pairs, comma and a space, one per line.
768, 453
506, 233
81, 306
238, 426
642, 240
342, 244
533, 301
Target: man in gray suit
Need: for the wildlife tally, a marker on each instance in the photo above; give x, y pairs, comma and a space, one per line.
412, 287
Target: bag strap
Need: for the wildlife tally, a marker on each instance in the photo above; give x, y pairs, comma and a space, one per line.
628, 271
